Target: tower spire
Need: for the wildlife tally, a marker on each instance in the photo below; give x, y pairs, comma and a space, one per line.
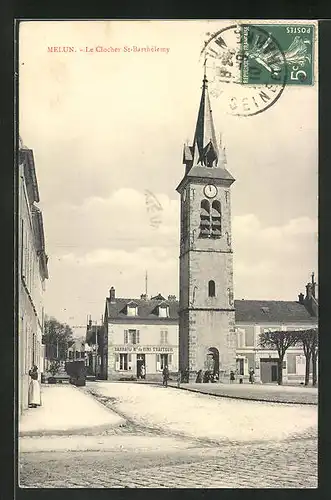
205, 143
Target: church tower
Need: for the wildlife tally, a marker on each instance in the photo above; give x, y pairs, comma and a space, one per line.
206, 304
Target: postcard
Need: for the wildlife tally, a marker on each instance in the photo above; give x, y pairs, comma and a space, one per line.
167, 253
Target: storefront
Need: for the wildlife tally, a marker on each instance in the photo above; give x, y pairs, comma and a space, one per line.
129, 359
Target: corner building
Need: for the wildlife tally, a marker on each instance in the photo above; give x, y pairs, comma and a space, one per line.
207, 338
139, 332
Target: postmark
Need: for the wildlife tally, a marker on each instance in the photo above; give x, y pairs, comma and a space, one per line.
263, 61
226, 55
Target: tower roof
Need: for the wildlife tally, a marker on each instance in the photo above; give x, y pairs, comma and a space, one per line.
205, 159
205, 147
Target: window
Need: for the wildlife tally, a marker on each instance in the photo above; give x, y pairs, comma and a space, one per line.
210, 219
164, 336
211, 288
163, 311
205, 219
34, 349
240, 337
134, 336
22, 248
216, 219
164, 360
240, 366
126, 337
123, 361
132, 310
266, 310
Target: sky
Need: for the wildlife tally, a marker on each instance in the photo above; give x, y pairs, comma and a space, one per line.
106, 127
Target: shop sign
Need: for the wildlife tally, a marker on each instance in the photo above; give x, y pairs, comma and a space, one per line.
144, 349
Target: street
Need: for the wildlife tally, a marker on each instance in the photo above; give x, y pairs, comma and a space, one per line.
160, 446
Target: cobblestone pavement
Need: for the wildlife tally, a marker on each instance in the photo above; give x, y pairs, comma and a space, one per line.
290, 464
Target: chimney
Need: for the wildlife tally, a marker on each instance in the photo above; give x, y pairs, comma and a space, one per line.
301, 298
308, 291
90, 323
313, 284
171, 297
112, 295
143, 296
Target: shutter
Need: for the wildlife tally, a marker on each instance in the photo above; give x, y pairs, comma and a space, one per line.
169, 360
22, 248
138, 336
158, 363
117, 362
125, 336
166, 337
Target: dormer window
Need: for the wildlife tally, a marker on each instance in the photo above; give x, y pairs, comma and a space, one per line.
132, 309
164, 311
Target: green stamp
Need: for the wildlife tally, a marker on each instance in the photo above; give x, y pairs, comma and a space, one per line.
277, 54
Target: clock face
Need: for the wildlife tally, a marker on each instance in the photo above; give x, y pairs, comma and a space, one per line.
210, 191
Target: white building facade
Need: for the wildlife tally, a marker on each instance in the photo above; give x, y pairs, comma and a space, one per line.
142, 332
32, 273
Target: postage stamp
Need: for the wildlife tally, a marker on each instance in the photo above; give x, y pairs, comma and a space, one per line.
273, 53
262, 54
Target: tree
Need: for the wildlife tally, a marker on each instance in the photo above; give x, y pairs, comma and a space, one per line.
308, 339
57, 338
314, 356
54, 368
281, 341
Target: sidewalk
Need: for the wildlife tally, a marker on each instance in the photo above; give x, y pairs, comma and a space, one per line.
257, 392
66, 410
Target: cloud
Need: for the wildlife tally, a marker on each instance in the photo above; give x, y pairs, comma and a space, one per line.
110, 241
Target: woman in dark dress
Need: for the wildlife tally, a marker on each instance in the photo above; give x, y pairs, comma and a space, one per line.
34, 388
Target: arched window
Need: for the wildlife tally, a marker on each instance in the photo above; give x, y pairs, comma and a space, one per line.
211, 288
205, 223
216, 219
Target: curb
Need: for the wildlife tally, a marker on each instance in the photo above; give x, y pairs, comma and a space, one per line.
87, 431
247, 398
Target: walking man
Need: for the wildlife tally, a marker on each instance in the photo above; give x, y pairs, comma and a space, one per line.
165, 374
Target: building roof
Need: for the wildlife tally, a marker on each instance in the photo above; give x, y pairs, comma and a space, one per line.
147, 309
210, 173
205, 143
271, 311
250, 311
205, 159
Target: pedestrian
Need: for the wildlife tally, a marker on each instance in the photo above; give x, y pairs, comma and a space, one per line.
198, 380
251, 376
232, 377
179, 377
165, 374
34, 397
143, 372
